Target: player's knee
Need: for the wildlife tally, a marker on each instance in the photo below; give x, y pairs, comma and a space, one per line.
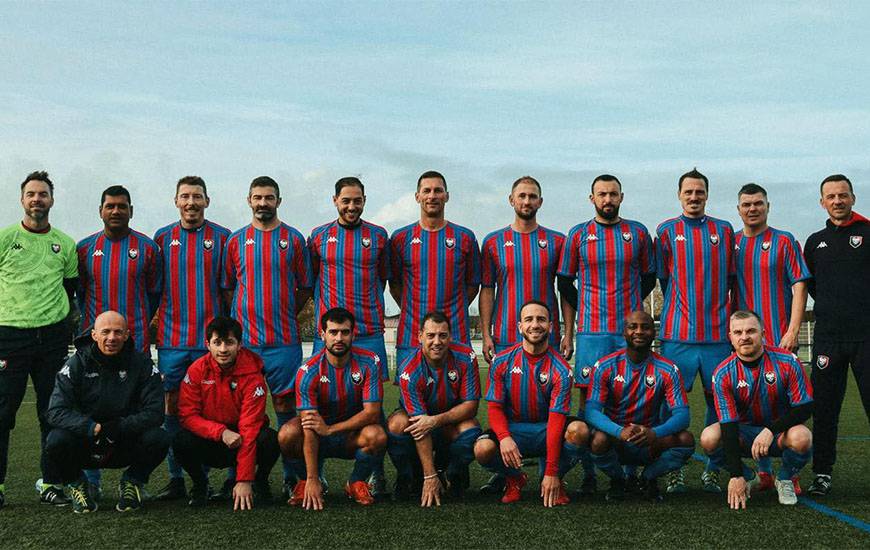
374, 438
397, 422
282, 403
484, 450
290, 436
710, 438
600, 443
685, 439
577, 433
799, 439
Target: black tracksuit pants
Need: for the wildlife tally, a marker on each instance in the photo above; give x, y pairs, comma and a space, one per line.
194, 452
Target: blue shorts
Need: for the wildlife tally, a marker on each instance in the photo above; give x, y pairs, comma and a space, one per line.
172, 364
588, 349
374, 344
530, 437
690, 358
749, 432
335, 446
280, 364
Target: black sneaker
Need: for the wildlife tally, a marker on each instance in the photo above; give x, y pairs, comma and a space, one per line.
616, 491
633, 485
225, 493
262, 492
198, 496
402, 489
494, 486
653, 494
82, 503
820, 486
174, 490
378, 485
129, 496
54, 495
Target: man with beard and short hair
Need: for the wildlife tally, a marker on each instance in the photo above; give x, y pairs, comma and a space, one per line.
529, 397
611, 258
338, 396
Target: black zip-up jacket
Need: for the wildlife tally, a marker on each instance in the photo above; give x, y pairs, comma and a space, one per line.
91, 389
839, 259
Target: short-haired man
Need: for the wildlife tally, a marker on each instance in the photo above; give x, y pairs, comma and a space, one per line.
840, 288
435, 267
763, 399
771, 278
38, 276
440, 390
191, 251
222, 408
695, 265
267, 280
629, 389
106, 412
338, 396
529, 397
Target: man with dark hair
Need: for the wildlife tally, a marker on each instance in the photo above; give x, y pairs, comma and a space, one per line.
267, 280
338, 396
629, 389
106, 412
529, 397
840, 287
695, 265
222, 407
191, 251
439, 392
771, 279
762, 400
120, 269
611, 259
38, 275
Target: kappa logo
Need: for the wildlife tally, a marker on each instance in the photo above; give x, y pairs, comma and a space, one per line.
186, 379
175, 242
542, 243
765, 245
855, 241
406, 377
283, 244
585, 372
714, 239
742, 384
516, 370
356, 377
471, 355
97, 253
154, 370
626, 236
416, 240
822, 361
3, 364
17, 246
650, 380
304, 368
92, 375
770, 377
592, 237
377, 359
366, 242
259, 391
430, 381
122, 374
133, 253
452, 375
64, 371
250, 242
207, 382
208, 244
680, 237
332, 240
822, 244
324, 380
508, 243
449, 242
55, 248
543, 377
619, 378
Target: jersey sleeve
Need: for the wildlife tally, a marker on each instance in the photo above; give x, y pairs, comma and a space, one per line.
230, 264
302, 263
647, 253
560, 392
598, 385
472, 262
488, 263
397, 259
154, 273
723, 397
313, 245
569, 260
663, 255
373, 386
384, 257
470, 389
675, 393
495, 392
800, 391
796, 266
70, 260
413, 390
307, 387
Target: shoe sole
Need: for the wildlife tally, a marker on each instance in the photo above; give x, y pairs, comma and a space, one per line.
87, 510
125, 510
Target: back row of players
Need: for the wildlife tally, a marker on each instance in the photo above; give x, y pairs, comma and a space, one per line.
267, 271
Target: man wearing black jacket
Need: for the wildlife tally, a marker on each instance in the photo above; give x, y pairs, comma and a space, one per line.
106, 412
840, 264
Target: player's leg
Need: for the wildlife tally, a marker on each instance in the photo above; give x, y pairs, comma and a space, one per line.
829, 376
711, 355
290, 440
13, 384
280, 364
143, 452
194, 454
796, 447
589, 348
369, 443
487, 454
667, 454
375, 344
603, 452
461, 438
173, 364
268, 452
65, 455
401, 448
686, 358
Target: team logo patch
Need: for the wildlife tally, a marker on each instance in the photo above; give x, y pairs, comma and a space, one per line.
585, 372
133, 253
208, 244
452, 375
233, 385
283, 243
55, 248
356, 377
3, 364
405, 376
544, 377
765, 245
542, 243
714, 239
855, 241
122, 374
822, 361
770, 377
259, 391
626, 237
366, 242
449, 242
650, 380
186, 379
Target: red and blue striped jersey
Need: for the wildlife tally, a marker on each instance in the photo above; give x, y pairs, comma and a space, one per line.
122, 276
530, 387
338, 394
192, 260
521, 267
429, 390
351, 265
608, 261
767, 266
695, 256
760, 395
434, 269
630, 393
265, 268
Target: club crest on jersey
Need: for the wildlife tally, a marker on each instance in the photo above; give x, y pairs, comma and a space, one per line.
3, 364
714, 239
449, 242
542, 243
233, 385
585, 372
283, 243
855, 241
650, 380
544, 377
122, 374
770, 377
452, 376
765, 245
356, 377
626, 236
133, 253
208, 244
822, 361
55, 248
366, 242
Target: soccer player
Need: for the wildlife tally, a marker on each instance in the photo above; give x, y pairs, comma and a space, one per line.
338, 396
628, 391
267, 280
191, 251
694, 263
529, 396
440, 389
762, 400
771, 278
435, 267
611, 258
222, 406
840, 287
105, 412
38, 276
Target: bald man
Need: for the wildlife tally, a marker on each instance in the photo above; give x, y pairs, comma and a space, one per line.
106, 412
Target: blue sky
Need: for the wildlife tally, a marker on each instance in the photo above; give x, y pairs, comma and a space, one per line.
143, 93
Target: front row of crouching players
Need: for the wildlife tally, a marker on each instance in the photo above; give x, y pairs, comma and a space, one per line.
338, 397
528, 400
762, 399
